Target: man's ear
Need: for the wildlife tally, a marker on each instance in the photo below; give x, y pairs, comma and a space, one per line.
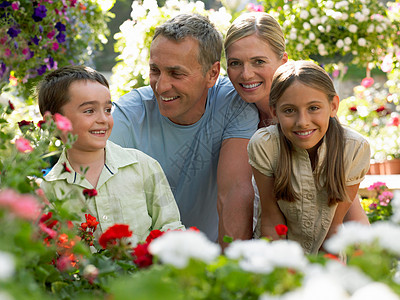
213, 73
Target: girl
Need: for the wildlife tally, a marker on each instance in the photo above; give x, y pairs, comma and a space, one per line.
307, 167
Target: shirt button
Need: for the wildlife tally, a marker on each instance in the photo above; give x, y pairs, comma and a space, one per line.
105, 218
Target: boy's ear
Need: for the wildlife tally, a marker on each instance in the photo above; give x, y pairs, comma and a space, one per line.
334, 106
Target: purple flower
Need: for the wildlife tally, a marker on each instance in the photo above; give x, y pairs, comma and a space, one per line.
60, 26
35, 40
5, 4
40, 28
51, 62
3, 68
13, 32
39, 13
60, 37
41, 70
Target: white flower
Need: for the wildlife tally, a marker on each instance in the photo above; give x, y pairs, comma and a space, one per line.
375, 290
299, 47
340, 44
362, 42
329, 4
292, 36
379, 29
328, 28
260, 256
304, 14
321, 50
321, 28
177, 247
324, 19
353, 28
347, 40
306, 26
7, 265
366, 11
311, 36
306, 42
315, 21
314, 11
344, 16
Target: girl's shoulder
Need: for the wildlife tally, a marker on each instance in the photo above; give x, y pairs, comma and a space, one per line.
270, 133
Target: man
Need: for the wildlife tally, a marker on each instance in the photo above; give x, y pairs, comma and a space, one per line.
194, 123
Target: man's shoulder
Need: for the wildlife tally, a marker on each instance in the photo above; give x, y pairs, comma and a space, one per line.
136, 97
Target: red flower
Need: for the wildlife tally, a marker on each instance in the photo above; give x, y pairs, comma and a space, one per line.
117, 231
281, 229
11, 105
89, 193
367, 82
353, 108
154, 234
40, 123
66, 169
380, 108
142, 256
91, 221
394, 121
24, 123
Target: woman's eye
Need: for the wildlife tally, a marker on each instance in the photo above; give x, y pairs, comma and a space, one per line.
260, 62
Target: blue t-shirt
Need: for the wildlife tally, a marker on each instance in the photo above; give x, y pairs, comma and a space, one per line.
188, 154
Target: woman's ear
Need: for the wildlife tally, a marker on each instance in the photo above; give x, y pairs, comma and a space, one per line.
334, 106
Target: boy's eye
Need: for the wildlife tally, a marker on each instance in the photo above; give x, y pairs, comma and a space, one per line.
88, 111
108, 110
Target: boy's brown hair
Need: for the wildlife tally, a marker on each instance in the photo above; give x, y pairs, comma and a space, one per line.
52, 91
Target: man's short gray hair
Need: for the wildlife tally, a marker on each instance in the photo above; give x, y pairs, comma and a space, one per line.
198, 27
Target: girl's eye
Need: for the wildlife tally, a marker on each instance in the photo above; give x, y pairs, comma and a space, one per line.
108, 110
288, 110
88, 111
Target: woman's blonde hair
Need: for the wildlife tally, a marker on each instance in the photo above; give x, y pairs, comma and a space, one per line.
260, 23
312, 75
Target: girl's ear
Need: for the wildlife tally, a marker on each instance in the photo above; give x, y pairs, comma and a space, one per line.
334, 106
274, 115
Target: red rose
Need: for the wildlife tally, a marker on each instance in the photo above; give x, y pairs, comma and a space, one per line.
281, 229
89, 193
117, 231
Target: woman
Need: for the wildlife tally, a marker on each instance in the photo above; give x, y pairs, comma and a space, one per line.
254, 49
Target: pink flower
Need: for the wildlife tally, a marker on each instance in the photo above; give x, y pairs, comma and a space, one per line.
26, 207
385, 198
23, 206
23, 145
377, 186
15, 5
367, 82
55, 46
7, 52
387, 63
62, 123
394, 121
51, 34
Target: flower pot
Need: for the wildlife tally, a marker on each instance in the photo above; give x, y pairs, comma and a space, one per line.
392, 166
376, 169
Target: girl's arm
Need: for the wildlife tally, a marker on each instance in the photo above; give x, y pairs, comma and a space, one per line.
342, 209
356, 213
271, 215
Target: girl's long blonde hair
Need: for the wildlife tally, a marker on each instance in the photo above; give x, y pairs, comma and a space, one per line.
332, 170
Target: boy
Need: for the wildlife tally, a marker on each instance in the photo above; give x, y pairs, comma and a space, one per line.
131, 187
